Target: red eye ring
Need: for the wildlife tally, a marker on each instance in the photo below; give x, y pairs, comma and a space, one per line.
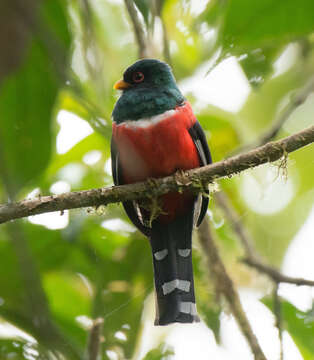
138, 77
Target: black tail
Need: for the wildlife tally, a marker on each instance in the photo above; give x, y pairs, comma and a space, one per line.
172, 256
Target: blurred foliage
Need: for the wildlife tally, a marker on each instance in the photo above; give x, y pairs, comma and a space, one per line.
257, 32
28, 97
94, 265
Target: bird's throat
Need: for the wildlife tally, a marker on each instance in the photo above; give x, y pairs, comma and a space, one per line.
145, 103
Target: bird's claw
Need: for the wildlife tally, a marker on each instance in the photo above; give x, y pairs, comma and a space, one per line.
181, 178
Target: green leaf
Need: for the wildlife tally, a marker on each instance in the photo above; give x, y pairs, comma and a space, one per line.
208, 307
162, 352
211, 317
125, 305
27, 98
12, 349
252, 24
214, 12
223, 137
93, 141
16, 348
10, 285
68, 298
144, 8
300, 326
258, 29
257, 64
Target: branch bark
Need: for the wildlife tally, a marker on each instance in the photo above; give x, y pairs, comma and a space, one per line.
224, 286
195, 180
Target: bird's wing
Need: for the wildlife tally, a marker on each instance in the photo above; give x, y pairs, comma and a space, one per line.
130, 207
200, 142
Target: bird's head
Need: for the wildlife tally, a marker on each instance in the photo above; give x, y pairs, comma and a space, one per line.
148, 88
146, 73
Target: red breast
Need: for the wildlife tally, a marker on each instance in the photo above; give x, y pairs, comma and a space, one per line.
157, 147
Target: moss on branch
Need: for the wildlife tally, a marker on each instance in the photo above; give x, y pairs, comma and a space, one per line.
193, 179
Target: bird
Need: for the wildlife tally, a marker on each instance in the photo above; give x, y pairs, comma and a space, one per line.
156, 134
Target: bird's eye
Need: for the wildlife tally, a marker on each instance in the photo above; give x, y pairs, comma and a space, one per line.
138, 77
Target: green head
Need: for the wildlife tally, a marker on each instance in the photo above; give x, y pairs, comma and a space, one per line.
148, 89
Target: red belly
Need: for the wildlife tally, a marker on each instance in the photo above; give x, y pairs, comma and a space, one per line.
159, 150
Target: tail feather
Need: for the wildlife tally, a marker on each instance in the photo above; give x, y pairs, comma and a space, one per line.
172, 257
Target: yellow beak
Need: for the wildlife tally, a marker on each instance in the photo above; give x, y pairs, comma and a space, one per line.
121, 85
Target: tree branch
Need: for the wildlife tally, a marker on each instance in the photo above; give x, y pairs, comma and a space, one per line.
278, 316
235, 221
224, 286
165, 40
274, 274
138, 29
94, 339
252, 258
194, 179
298, 99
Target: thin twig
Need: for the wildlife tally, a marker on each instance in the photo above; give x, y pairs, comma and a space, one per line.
275, 275
224, 203
277, 313
252, 258
166, 48
138, 29
194, 179
224, 286
298, 99
95, 338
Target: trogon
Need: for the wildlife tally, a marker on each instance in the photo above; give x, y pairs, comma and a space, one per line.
155, 134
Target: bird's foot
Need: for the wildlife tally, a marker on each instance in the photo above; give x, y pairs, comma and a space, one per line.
182, 178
